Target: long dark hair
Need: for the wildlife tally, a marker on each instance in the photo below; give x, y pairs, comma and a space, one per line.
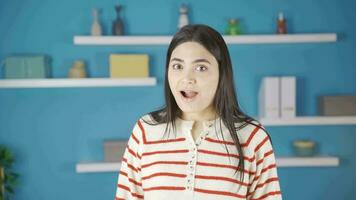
225, 101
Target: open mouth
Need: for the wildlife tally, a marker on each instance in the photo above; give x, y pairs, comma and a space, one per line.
188, 94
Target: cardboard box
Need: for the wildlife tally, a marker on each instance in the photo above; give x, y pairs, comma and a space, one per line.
343, 105
129, 65
114, 150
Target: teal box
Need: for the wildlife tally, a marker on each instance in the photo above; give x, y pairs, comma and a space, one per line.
26, 66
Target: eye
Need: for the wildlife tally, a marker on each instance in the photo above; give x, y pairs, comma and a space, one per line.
202, 68
176, 66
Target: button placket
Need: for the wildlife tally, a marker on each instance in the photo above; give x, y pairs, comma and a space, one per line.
191, 165
193, 153
204, 134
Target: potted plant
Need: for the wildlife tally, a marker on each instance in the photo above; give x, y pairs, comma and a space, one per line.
7, 177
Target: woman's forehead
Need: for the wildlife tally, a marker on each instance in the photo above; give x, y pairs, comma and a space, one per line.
191, 51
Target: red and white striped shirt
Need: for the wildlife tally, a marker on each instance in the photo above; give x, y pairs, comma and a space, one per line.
156, 167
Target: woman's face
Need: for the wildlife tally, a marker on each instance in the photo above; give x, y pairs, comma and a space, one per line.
193, 76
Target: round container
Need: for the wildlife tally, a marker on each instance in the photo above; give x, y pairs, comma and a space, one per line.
304, 148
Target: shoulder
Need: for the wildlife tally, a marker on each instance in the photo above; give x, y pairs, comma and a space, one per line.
148, 128
140, 123
143, 122
145, 118
148, 121
253, 135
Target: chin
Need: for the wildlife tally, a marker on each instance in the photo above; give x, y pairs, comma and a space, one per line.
193, 109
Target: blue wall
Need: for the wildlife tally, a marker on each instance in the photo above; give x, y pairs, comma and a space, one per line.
50, 130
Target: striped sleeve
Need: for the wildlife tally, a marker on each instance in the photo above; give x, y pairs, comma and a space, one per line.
264, 185
129, 186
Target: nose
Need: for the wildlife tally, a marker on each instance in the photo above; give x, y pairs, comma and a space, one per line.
190, 81
189, 78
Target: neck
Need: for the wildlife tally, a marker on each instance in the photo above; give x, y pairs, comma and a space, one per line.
199, 117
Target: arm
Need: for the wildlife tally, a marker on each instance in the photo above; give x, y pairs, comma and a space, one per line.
264, 185
129, 186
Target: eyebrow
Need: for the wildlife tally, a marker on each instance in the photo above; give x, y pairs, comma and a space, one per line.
195, 61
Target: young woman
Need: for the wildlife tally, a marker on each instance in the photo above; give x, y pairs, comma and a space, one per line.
200, 145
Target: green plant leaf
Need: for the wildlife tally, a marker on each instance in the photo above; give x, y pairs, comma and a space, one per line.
11, 178
8, 157
9, 189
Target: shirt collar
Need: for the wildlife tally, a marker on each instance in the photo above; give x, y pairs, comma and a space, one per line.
188, 124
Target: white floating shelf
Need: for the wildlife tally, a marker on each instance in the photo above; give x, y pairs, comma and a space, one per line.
310, 120
241, 39
308, 161
287, 38
87, 167
90, 167
69, 82
122, 40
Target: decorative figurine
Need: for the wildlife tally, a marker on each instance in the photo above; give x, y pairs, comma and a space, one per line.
118, 25
233, 27
77, 70
183, 17
281, 24
96, 27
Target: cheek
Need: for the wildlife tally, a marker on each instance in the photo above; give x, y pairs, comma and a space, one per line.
210, 81
171, 82
209, 94
210, 87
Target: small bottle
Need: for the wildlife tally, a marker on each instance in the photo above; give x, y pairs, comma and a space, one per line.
183, 17
281, 24
233, 27
96, 27
118, 25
